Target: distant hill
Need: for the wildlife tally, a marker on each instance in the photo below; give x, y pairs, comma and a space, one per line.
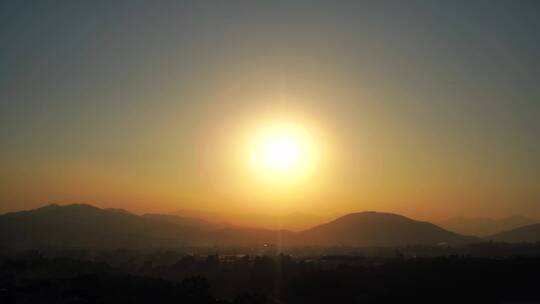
293, 221
82, 225
529, 233
379, 229
88, 226
356, 229
484, 226
119, 210
183, 221
253, 236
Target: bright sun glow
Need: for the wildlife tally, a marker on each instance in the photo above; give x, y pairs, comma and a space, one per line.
280, 152
283, 152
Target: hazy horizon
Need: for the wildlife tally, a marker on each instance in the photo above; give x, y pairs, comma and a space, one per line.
425, 109
298, 221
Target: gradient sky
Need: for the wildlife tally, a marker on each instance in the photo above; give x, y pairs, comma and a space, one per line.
430, 109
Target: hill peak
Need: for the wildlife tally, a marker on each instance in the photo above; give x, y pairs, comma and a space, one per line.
49, 206
367, 215
379, 229
118, 210
371, 213
68, 206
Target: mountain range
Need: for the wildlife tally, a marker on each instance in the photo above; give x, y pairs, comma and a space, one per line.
81, 225
529, 233
87, 226
483, 226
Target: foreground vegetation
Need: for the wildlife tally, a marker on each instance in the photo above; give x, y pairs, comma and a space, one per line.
121, 276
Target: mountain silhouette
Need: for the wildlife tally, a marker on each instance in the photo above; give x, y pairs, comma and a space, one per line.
484, 226
291, 221
82, 225
182, 221
529, 233
379, 229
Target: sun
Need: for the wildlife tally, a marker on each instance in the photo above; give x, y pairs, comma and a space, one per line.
279, 152
283, 152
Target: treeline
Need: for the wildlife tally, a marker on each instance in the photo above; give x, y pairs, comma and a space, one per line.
179, 278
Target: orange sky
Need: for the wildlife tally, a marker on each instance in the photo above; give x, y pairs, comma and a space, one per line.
409, 110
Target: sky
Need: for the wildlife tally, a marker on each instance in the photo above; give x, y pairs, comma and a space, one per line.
430, 109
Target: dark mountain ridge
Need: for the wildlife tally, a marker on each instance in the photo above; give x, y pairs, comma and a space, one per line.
182, 221
82, 225
483, 226
379, 229
529, 233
